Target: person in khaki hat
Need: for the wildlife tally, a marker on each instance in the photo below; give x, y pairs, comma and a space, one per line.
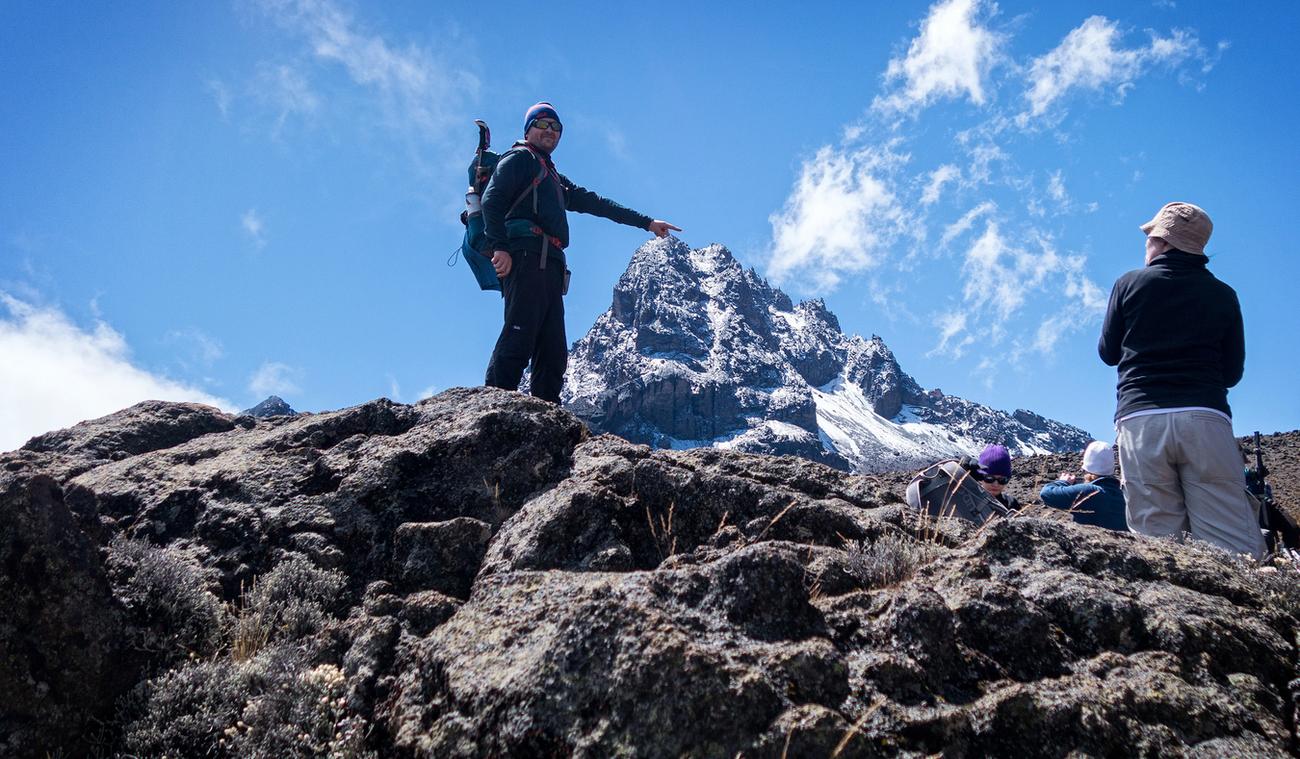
1175, 333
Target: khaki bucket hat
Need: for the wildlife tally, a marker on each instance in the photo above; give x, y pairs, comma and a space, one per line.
1182, 225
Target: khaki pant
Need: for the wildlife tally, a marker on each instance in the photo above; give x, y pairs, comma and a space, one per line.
1182, 472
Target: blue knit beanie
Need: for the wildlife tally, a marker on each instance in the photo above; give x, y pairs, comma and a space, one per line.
541, 110
995, 460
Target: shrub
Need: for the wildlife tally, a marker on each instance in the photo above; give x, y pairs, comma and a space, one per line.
168, 600
273, 704
889, 559
289, 603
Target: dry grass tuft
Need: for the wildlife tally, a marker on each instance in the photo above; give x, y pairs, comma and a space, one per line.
661, 530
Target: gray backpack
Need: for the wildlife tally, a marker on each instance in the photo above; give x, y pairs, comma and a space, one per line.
948, 489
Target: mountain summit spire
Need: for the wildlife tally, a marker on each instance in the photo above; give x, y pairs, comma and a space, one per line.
695, 351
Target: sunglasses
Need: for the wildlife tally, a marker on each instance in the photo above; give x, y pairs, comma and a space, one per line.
995, 478
551, 124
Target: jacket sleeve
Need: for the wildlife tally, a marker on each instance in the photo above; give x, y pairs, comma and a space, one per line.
513, 173
1112, 327
1234, 346
582, 200
1059, 495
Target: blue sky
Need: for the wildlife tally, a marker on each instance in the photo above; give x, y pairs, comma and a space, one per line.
220, 201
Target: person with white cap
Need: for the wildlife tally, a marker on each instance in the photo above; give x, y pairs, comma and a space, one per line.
1098, 500
1175, 333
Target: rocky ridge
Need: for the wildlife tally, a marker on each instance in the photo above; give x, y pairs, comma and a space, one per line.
478, 575
696, 351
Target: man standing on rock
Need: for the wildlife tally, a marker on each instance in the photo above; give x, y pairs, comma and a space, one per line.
527, 231
1176, 334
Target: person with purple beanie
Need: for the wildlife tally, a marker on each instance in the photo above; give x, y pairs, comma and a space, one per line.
994, 474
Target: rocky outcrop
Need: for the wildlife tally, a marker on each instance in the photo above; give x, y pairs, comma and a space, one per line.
696, 351
478, 575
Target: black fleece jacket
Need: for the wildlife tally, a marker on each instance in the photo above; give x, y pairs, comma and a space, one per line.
555, 195
1175, 332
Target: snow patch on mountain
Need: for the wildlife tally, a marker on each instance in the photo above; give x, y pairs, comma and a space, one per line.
695, 351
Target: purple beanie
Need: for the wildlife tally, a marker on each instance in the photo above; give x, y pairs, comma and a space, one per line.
995, 460
539, 111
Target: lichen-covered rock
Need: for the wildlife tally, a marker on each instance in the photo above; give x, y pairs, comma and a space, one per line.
441, 556
559, 663
65, 648
477, 575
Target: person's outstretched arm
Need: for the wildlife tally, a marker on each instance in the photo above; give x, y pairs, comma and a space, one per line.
582, 200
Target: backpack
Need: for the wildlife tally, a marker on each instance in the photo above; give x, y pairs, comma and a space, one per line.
949, 489
480, 172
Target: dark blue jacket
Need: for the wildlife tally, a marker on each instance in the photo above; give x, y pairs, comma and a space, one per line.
1175, 333
1104, 499
513, 175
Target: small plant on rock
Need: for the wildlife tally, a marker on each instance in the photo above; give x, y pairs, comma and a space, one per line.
887, 560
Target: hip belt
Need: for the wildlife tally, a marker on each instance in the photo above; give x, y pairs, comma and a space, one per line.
523, 228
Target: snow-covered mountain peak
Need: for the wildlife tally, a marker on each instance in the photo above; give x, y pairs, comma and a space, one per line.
696, 350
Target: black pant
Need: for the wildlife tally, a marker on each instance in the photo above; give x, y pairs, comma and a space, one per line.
534, 327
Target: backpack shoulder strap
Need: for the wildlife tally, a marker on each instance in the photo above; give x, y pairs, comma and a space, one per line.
542, 170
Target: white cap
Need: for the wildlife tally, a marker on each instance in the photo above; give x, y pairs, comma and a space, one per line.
1099, 458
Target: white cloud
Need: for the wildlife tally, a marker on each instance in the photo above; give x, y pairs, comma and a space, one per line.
1002, 278
963, 225
285, 89
417, 89
860, 213
274, 378
949, 58
982, 157
617, 142
938, 178
254, 227
221, 96
200, 349
1056, 187
55, 374
394, 389
842, 216
1091, 57
951, 326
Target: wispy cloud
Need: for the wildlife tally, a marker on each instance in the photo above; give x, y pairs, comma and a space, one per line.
1056, 188
967, 220
419, 90
254, 227
274, 378
287, 91
220, 96
938, 178
197, 348
950, 58
1092, 57
1001, 278
56, 373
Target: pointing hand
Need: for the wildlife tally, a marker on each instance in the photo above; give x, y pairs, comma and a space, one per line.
660, 228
